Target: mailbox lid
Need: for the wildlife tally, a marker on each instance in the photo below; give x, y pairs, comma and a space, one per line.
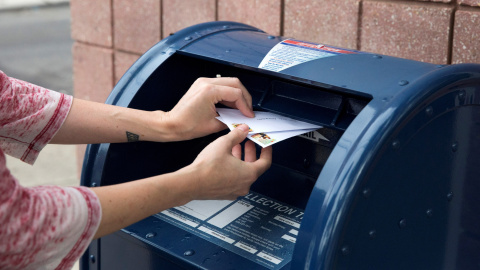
362, 73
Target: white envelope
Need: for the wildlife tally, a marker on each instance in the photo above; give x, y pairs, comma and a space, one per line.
266, 128
262, 122
267, 139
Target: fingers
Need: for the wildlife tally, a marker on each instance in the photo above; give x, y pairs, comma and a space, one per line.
265, 160
233, 97
231, 92
237, 151
217, 126
250, 152
262, 164
236, 136
235, 83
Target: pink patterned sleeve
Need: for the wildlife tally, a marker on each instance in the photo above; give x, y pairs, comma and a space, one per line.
44, 227
30, 116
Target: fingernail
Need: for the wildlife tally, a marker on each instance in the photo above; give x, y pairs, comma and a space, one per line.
243, 127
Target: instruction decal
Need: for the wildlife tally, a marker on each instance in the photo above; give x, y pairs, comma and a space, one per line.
291, 52
254, 226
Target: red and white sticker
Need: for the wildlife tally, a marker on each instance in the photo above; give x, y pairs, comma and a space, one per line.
291, 52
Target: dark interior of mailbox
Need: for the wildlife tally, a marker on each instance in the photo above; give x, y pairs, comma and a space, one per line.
297, 162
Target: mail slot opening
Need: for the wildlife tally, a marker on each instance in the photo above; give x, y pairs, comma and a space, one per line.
297, 162
324, 105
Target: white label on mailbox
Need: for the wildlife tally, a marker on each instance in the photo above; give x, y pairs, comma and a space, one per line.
288, 221
203, 209
291, 52
246, 247
314, 136
254, 226
289, 238
269, 257
230, 214
180, 218
217, 235
294, 232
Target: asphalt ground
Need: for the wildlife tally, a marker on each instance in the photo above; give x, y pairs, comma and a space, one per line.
35, 46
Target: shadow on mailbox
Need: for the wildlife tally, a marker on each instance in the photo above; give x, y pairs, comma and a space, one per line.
392, 181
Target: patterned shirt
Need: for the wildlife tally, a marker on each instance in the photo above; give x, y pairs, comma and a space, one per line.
45, 227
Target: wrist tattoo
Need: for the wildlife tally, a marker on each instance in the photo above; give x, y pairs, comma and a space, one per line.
132, 137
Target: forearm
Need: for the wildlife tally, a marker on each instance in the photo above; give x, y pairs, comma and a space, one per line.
90, 122
127, 203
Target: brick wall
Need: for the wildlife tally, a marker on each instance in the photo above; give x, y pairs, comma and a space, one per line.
111, 34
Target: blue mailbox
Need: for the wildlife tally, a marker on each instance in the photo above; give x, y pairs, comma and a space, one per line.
391, 181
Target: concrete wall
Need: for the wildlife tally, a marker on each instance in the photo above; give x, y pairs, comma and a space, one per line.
111, 34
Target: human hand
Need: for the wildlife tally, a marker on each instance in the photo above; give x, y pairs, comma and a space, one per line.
219, 171
194, 115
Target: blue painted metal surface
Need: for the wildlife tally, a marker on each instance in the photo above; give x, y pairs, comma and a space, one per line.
396, 187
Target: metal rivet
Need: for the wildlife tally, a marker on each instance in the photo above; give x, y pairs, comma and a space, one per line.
461, 95
346, 250
306, 163
189, 252
226, 26
454, 147
150, 235
403, 82
372, 234
188, 38
402, 223
429, 110
429, 213
450, 196
93, 184
396, 144
377, 57
271, 37
366, 193
92, 259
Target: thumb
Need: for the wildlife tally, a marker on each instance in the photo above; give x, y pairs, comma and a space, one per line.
237, 135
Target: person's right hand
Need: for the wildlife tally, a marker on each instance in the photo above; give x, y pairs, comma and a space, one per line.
220, 172
194, 115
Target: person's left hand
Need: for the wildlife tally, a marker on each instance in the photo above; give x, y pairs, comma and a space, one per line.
194, 115
219, 171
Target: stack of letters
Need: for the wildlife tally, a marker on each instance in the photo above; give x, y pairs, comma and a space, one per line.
265, 128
